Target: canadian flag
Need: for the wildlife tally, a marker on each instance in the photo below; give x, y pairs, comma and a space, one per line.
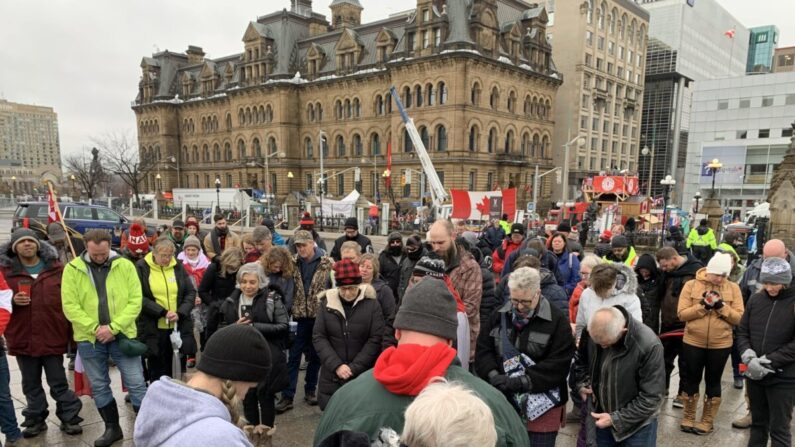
477, 205
730, 33
52, 209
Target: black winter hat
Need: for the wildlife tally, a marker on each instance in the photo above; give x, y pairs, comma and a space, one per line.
414, 241
19, 235
428, 307
394, 236
428, 266
351, 222
619, 241
564, 227
517, 228
237, 352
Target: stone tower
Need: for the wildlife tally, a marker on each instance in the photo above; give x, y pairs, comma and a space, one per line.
346, 13
782, 199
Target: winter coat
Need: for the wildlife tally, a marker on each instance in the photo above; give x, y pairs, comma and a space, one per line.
213, 290
212, 249
546, 339
272, 321
196, 273
184, 416
155, 305
709, 328
625, 297
602, 249
321, 244
672, 285
627, 379
749, 284
305, 301
40, 328
81, 303
488, 301
569, 268
574, 301
548, 261
465, 274
388, 310
494, 236
352, 339
649, 292
178, 244
287, 286
768, 328
390, 270
630, 260
549, 289
406, 270
701, 241
501, 254
363, 241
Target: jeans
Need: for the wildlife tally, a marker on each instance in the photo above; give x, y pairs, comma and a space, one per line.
303, 340
67, 405
95, 362
645, 437
672, 348
707, 362
8, 418
771, 413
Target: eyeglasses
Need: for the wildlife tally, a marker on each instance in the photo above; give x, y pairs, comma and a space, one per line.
585, 274
525, 303
349, 290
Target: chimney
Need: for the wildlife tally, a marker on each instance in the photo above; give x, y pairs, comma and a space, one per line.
195, 55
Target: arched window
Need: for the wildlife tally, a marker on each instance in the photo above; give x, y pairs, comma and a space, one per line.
545, 147
424, 137
310, 152
257, 148
473, 138
611, 21
324, 147
357, 108
508, 142
527, 106
474, 95
185, 154
195, 154
535, 149
589, 12
442, 93
408, 146
319, 112
340, 146
241, 117
227, 152
525, 144
216, 152
441, 138
601, 15
272, 147
512, 102
228, 121
310, 113
430, 92
407, 97
241, 150
379, 105
494, 99
348, 111
338, 109
631, 33
248, 116
418, 96
269, 114
357, 146
492, 140
375, 144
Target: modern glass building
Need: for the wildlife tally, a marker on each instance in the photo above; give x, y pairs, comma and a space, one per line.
761, 46
746, 123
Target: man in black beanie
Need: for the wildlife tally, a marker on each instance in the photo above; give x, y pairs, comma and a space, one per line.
622, 252
351, 234
425, 327
390, 259
414, 251
208, 407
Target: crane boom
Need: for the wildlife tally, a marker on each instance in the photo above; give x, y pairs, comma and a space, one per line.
438, 194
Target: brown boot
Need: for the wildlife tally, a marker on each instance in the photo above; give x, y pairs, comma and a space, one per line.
711, 406
689, 413
260, 436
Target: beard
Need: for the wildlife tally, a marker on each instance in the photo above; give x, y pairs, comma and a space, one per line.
223, 231
395, 251
449, 255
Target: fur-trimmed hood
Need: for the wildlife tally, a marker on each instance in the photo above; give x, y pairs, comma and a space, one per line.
334, 302
46, 252
629, 285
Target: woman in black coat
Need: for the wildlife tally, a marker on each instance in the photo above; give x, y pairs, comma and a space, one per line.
348, 330
217, 284
528, 326
161, 312
261, 305
649, 289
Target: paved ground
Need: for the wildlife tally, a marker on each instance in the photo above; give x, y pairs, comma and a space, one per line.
296, 428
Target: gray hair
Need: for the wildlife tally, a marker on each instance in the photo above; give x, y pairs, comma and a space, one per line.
525, 278
606, 324
254, 268
163, 242
261, 233
590, 260
450, 415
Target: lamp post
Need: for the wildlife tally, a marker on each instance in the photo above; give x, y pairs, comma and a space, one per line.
74, 190
322, 178
714, 166
13, 186
668, 182
290, 177
158, 183
218, 194
580, 143
697, 198
649, 153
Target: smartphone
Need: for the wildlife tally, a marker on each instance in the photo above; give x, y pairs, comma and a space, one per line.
25, 286
245, 312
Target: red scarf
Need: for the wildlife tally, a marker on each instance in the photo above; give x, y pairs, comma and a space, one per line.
458, 303
407, 369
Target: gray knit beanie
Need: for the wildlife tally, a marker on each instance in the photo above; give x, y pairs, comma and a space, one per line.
261, 233
428, 307
775, 271
192, 241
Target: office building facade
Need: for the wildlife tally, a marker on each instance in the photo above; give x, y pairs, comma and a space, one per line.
29, 136
784, 60
761, 46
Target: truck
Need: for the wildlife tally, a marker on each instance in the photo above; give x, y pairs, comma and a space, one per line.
571, 212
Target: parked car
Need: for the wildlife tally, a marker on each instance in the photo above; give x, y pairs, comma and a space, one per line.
80, 217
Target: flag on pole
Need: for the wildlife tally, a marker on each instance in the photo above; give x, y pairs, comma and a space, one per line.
478, 204
52, 209
730, 33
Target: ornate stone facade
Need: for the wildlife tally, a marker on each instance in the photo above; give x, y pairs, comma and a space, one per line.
782, 199
476, 76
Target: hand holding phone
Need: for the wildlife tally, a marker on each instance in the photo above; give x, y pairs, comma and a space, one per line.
245, 312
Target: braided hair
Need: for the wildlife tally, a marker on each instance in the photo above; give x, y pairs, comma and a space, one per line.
231, 401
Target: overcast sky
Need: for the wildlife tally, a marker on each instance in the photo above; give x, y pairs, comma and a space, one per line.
82, 57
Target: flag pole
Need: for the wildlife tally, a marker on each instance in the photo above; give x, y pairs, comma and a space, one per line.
60, 219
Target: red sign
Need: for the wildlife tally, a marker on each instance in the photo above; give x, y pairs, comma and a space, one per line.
615, 184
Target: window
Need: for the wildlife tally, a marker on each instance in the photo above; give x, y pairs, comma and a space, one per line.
589, 38
375, 144
442, 93
600, 43
767, 101
723, 105
492, 140
472, 178
410, 41
418, 96
430, 92
588, 60
789, 100
407, 97
764, 133
273, 186
742, 134
508, 147
473, 139
379, 105
494, 99
408, 146
426, 39
441, 138
357, 146
437, 38
786, 132
107, 215
745, 103
611, 48
426, 15
474, 94
595, 124
489, 181
341, 184
340, 146
309, 150
310, 185
761, 38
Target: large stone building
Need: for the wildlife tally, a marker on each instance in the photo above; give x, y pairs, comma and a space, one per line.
29, 136
479, 82
600, 47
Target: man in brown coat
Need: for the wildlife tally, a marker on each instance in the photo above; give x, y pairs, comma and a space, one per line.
220, 238
464, 272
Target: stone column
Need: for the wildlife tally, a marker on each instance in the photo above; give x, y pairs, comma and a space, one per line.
781, 197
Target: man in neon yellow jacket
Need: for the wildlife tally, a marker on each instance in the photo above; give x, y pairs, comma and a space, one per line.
101, 297
702, 242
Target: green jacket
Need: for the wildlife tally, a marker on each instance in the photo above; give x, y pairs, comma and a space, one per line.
347, 410
707, 239
81, 304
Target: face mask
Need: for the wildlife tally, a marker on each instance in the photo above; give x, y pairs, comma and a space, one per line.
395, 250
414, 255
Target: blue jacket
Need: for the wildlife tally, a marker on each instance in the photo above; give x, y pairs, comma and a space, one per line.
494, 236
278, 240
569, 269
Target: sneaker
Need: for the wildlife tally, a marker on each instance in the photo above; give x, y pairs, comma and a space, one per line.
743, 422
738, 383
284, 404
71, 428
573, 416
34, 430
191, 362
678, 403
311, 399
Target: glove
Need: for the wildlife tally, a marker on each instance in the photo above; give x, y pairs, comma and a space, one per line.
747, 355
766, 362
706, 304
517, 384
498, 381
756, 371
717, 305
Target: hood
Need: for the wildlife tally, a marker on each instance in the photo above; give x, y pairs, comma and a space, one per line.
547, 277
630, 286
405, 370
689, 268
112, 256
172, 407
333, 301
702, 230
203, 261
150, 261
647, 261
47, 253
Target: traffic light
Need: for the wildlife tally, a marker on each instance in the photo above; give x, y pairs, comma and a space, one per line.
559, 176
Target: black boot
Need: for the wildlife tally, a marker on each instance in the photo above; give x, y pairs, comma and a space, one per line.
113, 433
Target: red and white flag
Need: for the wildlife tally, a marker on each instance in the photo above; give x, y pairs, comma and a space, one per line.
730, 33
477, 205
52, 209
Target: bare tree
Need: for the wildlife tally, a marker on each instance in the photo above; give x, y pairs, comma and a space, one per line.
122, 159
87, 170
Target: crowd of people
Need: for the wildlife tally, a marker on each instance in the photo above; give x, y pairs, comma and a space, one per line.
493, 328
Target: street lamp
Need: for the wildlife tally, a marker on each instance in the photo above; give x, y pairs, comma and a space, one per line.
74, 190
714, 166
580, 141
158, 183
14, 187
322, 177
649, 153
668, 182
290, 177
697, 198
218, 194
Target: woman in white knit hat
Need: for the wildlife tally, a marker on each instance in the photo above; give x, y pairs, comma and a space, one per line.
710, 305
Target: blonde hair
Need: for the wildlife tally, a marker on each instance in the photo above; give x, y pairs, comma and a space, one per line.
248, 239
448, 415
232, 402
279, 255
231, 260
373, 260
351, 245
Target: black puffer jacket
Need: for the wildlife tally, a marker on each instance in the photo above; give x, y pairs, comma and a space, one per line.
388, 309
213, 290
390, 270
363, 241
406, 269
768, 328
672, 285
352, 339
627, 379
649, 291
